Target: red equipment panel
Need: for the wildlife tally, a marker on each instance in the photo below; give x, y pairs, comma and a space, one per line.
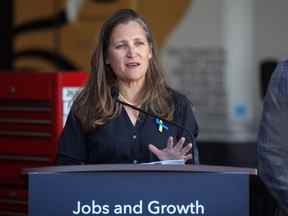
33, 108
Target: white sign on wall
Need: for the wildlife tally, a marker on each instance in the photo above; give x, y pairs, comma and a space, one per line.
68, 94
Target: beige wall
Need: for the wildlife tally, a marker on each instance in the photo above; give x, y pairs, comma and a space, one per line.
30, 10
76, 40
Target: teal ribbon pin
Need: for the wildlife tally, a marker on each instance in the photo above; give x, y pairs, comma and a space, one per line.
161, 125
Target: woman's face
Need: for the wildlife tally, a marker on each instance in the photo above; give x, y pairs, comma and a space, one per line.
129, 52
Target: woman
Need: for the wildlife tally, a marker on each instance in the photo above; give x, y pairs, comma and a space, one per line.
101, 129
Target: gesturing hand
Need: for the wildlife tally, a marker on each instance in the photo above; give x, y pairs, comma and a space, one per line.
173, 152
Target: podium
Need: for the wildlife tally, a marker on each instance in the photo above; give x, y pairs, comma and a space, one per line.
139, 190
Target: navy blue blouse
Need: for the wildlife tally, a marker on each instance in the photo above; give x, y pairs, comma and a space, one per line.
119, 141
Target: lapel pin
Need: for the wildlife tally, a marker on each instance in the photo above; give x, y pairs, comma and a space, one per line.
161, 125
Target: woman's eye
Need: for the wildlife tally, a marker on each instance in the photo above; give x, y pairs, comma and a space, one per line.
139, 43
119, 46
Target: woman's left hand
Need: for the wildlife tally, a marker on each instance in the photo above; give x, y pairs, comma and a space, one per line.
173, 151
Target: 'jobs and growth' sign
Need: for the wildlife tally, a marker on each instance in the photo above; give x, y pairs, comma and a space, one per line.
138, 193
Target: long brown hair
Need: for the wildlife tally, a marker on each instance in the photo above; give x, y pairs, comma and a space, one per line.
96, 104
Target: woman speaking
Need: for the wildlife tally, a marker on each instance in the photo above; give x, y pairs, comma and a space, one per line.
126, 112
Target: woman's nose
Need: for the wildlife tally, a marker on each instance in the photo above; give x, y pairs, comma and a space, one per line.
131, 51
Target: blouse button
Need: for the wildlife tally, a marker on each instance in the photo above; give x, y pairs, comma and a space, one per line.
134, 136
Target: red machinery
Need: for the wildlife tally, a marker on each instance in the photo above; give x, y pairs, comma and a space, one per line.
33, 107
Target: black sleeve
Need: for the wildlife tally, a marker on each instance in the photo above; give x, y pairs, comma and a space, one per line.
272, 146
185, 117
71, 146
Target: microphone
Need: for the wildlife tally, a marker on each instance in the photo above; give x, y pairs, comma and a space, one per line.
72, 160
194, 149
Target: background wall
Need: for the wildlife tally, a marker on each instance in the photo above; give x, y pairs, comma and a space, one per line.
216, 51
213, 56
66, 30
271, 30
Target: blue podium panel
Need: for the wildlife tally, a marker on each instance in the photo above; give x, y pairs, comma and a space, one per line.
138, 193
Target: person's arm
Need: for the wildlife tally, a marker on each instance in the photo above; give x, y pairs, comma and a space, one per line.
189, 122
71, 146
273, 136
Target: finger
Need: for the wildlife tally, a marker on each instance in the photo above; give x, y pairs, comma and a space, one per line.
188, 157
155, 150
180, 143
170, 142
186, 149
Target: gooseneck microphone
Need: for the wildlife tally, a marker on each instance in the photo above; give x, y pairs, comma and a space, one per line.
194, 149
68, 159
